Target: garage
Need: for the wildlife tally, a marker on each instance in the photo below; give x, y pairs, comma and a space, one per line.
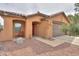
57, 29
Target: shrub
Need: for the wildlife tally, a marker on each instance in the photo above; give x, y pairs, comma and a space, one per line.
65, 28
71, 29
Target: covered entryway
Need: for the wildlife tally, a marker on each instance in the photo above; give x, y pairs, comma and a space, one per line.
35, 28
18, 28
57, 29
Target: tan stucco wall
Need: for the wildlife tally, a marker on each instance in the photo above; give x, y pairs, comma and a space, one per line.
29, 22
7, 32
60, 18
28, 29
42, 29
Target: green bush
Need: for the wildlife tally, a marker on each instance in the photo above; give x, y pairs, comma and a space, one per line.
65, 28
71, 29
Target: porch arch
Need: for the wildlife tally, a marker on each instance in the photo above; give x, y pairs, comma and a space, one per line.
18, 28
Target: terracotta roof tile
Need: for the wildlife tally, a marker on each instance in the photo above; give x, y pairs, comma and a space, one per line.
26, 16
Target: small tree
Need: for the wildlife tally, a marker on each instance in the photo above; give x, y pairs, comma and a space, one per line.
76, 7
73, 27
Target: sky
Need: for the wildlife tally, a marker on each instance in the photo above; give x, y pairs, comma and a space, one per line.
30, 8
46, 8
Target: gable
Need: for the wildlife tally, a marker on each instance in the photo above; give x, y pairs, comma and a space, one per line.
61, 17
37, 17
37, 14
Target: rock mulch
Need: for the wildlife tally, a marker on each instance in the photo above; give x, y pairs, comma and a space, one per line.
69, 51
33, 47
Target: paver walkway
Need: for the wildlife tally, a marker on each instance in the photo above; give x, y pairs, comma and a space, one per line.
59, 40
52, 43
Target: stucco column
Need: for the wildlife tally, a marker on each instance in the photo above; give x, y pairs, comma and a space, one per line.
28, 29
8, 29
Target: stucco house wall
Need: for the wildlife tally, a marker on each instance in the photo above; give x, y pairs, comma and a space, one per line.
43, 27
7, 32
60, 17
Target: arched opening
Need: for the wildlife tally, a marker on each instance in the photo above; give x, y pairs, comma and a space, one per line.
19, 28
1, 23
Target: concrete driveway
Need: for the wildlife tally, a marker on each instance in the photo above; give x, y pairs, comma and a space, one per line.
69, 39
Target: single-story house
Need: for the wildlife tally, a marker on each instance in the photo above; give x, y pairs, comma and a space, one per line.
27, 26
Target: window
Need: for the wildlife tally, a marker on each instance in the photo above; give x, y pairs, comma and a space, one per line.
1, 23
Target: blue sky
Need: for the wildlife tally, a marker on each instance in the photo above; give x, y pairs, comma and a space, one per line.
46, 8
